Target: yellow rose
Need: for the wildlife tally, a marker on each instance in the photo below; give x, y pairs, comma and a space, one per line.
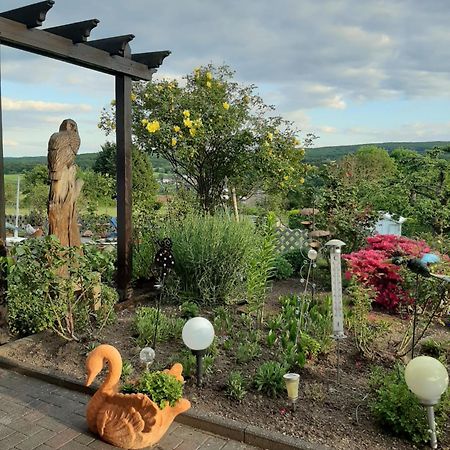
208, 84
174, 142
285, 178
270, 136
144, 122
176, 128
153, 127
133, 97
186, 113
226, 105
208, 76
187, 123
192, 131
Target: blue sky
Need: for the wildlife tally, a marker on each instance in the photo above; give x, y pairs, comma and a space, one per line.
349, 71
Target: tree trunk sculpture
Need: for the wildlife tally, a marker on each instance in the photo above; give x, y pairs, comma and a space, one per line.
64, 188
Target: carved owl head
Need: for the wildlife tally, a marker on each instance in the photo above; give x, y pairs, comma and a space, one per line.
68, 125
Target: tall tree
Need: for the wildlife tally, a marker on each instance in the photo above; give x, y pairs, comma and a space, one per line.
214, 131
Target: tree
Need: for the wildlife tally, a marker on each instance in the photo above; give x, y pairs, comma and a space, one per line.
35, 189
144, 184
214, 132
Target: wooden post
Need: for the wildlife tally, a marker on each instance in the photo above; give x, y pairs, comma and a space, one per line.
124, 206
235, 204
2, 173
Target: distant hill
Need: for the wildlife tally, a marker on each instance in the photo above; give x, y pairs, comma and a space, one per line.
334, 153
22, 164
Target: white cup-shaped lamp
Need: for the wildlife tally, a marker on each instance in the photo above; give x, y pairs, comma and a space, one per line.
427, 378
198, 335
292, 381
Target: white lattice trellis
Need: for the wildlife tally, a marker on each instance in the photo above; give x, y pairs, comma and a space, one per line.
288, 239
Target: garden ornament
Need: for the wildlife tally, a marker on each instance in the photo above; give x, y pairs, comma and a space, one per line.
129, 421
427, 378
165, 261
336, 294
64, 188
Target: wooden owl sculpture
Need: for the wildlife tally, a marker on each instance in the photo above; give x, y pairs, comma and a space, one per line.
63, 146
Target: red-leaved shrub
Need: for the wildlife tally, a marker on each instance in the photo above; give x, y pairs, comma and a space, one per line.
370, 266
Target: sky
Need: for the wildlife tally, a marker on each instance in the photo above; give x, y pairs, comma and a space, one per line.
349, 71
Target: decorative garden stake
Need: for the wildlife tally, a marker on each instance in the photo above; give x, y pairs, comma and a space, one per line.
147, 356
292, 381
336, 292
165, 262
198, 335
128, 421
427, 378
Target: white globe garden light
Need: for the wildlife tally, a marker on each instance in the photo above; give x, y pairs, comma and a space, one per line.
312, 254
198, 335
427, 378
147, 356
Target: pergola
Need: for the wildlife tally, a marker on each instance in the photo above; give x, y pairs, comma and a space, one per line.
69, 43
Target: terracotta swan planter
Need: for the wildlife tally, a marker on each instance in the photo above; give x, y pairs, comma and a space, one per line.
126, 420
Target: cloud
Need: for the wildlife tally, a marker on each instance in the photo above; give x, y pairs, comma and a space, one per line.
9, 104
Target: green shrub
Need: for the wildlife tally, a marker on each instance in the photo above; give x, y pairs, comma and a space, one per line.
145, 323
211, 255
295, 258
269, 378
189, 310
53, 287
295, 219
397, 409
127, 370
236, 386
163, 388
282, 269
247, 351
101, 261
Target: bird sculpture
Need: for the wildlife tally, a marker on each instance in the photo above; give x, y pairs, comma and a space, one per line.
129, 421
63, 146
421, 266
64, 187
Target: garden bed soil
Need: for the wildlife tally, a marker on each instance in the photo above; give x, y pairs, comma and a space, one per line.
329, 412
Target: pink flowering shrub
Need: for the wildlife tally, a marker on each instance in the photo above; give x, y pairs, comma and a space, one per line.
370, 266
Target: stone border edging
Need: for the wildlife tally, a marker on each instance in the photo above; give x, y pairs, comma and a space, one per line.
228, 428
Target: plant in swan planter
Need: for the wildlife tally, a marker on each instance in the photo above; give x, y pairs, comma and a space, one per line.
129, 421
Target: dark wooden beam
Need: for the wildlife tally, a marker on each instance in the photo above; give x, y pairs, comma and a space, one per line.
151, 59
2, 173
124, 206
77, 32
17, 35
114, 45
31, 15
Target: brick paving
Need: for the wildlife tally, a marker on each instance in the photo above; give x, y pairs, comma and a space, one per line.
35, 415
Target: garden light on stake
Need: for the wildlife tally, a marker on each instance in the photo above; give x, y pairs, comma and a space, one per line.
292, 381
147, 356
198, 335
336, 293
427, 378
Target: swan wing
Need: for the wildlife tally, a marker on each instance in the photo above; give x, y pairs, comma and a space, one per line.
123, 416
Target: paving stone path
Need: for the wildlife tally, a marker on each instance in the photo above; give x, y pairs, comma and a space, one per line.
35, 415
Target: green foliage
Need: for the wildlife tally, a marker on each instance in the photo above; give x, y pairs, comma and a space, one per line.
101, 261
187, 359
295, 258
211, 256
282, 269
269, 378
222, 320
435, 349
301, 330
189, 310
53, 287
260, 266
145, 325
236, 386
164, 389
211, 130
247, 351
35, 189
397, 409
364, 332
127, 371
